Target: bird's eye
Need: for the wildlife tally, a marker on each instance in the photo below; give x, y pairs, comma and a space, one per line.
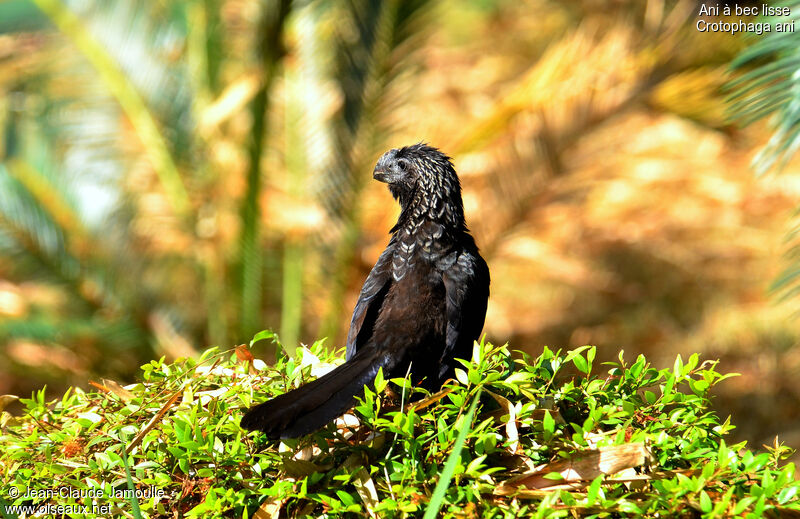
402, 164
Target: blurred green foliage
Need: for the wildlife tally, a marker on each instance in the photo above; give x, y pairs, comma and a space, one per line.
122, 136
769, 85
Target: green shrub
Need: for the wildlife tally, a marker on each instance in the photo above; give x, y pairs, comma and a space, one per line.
549, 437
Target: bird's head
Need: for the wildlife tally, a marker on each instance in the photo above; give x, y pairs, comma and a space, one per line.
422, 178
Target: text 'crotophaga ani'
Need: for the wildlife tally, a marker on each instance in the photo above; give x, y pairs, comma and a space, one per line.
423, 303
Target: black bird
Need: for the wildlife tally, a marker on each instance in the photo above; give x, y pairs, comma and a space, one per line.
423, 304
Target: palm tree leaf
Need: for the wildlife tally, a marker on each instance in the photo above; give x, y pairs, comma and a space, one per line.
128, 97
373, 48
772, 88
271, 29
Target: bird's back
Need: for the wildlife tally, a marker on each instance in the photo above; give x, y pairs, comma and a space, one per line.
413, 331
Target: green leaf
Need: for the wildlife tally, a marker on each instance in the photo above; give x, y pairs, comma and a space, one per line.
135, 510
705, 502
548, 424
380, 383
788, 494
594, 490
677, 368
462, 376
199, 439
263, 335
437, 498
581, 363
742, 505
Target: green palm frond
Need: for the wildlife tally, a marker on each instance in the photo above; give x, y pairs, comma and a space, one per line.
787, 284
128, 64
36, 246
33, 233
128, 96
768, 85
374, 47
771, 87
270, 52
112, 336
46, 237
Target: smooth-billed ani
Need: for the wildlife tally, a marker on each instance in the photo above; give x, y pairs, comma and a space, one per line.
423, 304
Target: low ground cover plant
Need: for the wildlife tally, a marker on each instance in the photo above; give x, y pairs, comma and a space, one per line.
551, 436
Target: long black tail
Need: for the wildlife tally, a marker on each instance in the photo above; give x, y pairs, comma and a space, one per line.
313, 405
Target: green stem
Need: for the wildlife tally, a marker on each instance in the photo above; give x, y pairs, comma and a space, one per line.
271, 29
252, 257
291, 308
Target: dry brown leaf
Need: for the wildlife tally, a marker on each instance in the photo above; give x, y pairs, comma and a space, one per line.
307, 453
7, 399
243, 355
270, 508
8, 420
512, 432
99, 386
297, 469
524, 493
364, 484
425, 402
579, 471
538, 494
159, 415
118, 390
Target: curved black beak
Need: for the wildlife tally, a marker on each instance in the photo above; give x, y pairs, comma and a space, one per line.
382, 175
384, 172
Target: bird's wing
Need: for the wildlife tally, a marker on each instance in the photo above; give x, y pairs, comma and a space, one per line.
369, 301
466, 284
